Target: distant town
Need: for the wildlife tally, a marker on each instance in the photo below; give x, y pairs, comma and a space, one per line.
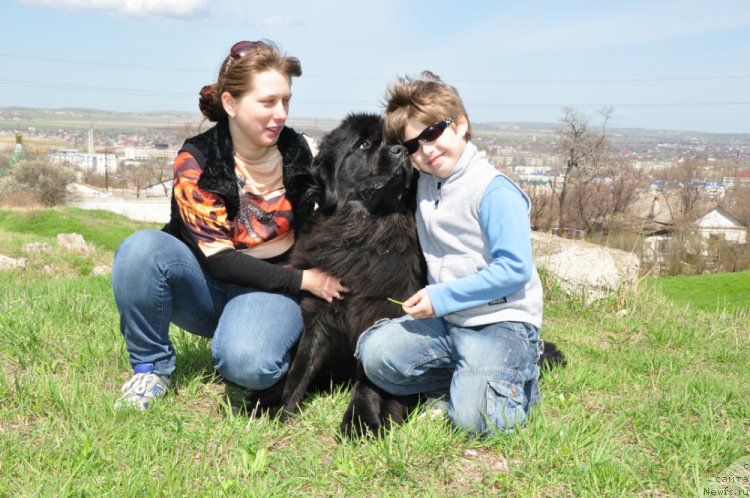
104, 142
658, 184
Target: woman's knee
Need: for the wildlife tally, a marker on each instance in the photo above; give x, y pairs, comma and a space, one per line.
253, 339
249, 367
146, 250
140, 244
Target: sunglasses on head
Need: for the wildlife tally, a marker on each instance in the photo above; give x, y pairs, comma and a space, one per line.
242, 48
429, 134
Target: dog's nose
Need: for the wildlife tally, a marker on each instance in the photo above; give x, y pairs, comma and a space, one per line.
398, 149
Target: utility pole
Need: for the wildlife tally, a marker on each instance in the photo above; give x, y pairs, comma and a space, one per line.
106, 169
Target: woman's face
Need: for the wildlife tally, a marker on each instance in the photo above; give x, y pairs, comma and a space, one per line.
257, 117
438, 157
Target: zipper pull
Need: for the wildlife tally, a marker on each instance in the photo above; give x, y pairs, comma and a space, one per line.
437, 200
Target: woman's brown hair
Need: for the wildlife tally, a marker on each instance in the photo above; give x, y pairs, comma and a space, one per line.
237, 73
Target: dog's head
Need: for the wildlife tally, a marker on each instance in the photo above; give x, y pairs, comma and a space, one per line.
353, 165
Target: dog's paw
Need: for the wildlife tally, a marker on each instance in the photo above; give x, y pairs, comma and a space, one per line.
355, 426
263, 403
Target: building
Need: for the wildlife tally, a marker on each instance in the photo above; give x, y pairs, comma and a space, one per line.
717, 223
704, 237
159, 152
741, 179
97, 162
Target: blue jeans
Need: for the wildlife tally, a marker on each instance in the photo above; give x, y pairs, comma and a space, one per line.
490, 371
157, 280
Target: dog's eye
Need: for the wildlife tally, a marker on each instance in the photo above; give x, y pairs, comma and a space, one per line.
365, 144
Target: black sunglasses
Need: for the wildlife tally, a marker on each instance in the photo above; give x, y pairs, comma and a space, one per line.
429, 134
242, 48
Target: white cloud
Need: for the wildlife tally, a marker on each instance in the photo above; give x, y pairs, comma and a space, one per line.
177, 8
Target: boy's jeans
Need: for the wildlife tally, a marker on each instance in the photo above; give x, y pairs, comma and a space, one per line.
490, 371
157, 280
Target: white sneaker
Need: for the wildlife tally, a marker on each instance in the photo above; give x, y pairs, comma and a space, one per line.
435, 407
141, 390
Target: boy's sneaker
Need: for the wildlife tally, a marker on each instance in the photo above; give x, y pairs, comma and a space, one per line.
143, 388
435, 407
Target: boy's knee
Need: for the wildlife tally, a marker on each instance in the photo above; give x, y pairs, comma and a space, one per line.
371, 355
379, 360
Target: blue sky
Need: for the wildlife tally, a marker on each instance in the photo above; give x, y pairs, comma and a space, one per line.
661, 64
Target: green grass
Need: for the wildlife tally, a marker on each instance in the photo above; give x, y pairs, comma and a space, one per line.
713, 293
654, 401
102, 228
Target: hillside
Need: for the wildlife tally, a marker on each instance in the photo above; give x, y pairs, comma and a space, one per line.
654, 401
79, 119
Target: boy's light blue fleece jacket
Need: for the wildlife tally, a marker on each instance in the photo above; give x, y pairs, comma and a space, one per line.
475, 234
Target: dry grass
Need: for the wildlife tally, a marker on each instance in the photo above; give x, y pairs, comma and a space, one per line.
20, 201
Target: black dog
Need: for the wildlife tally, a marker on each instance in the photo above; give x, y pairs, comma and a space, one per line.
363, 232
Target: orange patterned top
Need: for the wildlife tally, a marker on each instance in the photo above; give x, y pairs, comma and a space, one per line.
262, 227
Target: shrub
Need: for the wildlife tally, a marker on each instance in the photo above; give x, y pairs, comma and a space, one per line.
8, 185
45, 180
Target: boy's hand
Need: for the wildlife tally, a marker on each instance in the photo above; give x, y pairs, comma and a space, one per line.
419, 305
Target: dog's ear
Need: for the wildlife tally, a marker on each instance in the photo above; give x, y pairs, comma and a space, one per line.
324, 192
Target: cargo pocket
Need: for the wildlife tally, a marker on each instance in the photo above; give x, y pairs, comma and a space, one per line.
505, 405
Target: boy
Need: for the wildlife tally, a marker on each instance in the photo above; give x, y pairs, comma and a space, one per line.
473, 332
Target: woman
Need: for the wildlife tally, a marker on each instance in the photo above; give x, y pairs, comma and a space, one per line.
217, 269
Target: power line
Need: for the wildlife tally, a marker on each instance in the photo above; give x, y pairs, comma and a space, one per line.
339, 102
155, 93
372, 78
651, 104
609, 80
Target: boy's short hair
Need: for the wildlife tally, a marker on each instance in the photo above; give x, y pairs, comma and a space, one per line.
426, 98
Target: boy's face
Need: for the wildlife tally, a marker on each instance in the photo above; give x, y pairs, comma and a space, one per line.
438, 157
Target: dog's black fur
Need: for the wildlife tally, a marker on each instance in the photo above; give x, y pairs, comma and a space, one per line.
363, 232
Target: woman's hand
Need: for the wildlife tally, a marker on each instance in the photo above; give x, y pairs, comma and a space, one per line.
419, 305
322, 284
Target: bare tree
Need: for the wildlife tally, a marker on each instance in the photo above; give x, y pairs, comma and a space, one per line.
599, 199
580, 147
685, 182
737, 202
626, 183
143, 174
604, 192
542, 205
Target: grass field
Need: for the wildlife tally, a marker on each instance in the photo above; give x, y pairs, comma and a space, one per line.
655, 401
8, 143
83, 119
102, 228
713, 293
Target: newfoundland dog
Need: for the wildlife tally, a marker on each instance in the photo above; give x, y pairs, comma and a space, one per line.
364, 232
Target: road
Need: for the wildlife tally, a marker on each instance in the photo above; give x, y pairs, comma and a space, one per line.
156, 210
